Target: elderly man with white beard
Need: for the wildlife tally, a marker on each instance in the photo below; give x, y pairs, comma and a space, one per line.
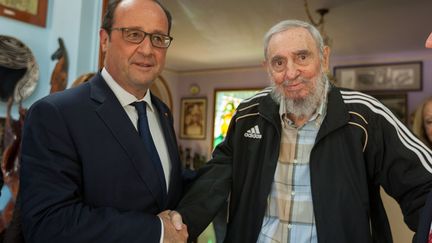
303, 160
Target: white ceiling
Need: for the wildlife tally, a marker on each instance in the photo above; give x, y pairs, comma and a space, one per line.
214, 34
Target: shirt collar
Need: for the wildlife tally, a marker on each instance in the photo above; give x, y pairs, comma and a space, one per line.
125, 98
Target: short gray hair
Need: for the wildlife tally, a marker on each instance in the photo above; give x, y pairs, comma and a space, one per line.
291, 24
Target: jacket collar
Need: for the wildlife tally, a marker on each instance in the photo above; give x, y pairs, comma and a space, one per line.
336, 115
269, 109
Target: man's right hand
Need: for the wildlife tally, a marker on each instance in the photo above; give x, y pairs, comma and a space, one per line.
174, 229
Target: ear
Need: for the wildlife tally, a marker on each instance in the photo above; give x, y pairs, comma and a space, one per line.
104, 39
325, 61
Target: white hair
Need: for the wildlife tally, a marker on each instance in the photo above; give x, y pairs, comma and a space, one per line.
291, 24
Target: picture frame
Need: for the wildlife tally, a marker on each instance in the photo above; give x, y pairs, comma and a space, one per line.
225, 104
29, 11
406, 76
396, 102
193, 115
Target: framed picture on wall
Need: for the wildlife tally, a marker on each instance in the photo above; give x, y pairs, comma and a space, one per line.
396, 102
225, 104
193, 115
29, 11
380, 77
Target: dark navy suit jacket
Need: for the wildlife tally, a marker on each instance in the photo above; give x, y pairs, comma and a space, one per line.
85, 174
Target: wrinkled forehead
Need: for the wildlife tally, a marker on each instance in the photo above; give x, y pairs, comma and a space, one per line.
292, 41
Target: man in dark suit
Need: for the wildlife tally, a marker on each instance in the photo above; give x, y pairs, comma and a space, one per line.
87, 174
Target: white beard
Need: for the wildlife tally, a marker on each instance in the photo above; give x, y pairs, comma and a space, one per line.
302, 107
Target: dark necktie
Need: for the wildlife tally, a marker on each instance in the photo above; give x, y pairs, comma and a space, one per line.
144, 132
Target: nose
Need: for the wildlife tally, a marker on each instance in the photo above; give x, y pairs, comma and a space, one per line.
145, 46
292, 71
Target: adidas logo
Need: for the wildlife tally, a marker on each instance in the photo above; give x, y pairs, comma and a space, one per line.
253, 133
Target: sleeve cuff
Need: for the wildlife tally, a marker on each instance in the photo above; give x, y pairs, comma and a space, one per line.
162, 231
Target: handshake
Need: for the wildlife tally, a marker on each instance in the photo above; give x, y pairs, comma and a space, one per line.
174, 229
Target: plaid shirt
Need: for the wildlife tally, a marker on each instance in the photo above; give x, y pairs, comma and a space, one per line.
289, 216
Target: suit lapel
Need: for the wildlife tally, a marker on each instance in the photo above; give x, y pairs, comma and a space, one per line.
116, 119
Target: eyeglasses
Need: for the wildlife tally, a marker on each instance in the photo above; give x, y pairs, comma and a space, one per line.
137, 36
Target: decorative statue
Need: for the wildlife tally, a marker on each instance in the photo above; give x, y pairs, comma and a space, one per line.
60, 73
10, 160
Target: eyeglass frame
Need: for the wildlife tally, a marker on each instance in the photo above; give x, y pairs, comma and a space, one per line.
124, 29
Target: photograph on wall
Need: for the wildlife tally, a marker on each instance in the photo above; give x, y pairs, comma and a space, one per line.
29, 11
193, 118
380, 77
396, 103
29, 6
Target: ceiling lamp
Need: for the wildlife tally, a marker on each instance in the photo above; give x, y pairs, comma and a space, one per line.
320, 24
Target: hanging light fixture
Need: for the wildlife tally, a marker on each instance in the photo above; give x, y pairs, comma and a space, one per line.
320, 24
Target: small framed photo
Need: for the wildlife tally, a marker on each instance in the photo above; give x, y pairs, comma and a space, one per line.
396, 102
380, 77
193, 116
29, 11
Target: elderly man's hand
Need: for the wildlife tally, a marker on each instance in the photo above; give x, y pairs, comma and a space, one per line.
174, 229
